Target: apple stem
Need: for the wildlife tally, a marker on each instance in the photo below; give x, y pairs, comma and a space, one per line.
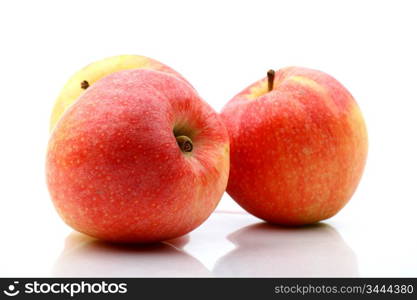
271, 77
185, 143
85, 84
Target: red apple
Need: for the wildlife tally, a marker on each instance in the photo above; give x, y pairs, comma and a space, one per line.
140, 157
298, 146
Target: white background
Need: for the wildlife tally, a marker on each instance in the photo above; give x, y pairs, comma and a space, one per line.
220, 47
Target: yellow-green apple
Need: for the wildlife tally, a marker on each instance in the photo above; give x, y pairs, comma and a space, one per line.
139, 157
87, 76
298, 145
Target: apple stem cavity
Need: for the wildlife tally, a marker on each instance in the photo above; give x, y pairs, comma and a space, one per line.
85, 84
271, 77
185, 143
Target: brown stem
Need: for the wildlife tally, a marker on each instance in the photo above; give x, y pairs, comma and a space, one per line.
271, 77
185, 143
85, 84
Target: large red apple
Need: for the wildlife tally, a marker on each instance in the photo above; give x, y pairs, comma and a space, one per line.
298, 146
140, 157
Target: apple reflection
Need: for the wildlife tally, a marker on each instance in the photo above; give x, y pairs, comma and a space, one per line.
86, 257
264, 250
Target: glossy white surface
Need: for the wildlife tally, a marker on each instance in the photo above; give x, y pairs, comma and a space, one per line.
220, 47
227, 245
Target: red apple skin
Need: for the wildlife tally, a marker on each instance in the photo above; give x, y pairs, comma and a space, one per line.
297, 153
114, 168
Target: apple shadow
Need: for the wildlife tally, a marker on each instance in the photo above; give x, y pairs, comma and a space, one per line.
264, 250
87, 257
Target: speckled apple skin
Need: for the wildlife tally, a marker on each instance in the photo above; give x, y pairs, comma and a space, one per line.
297, 153
96, 71
115, 171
